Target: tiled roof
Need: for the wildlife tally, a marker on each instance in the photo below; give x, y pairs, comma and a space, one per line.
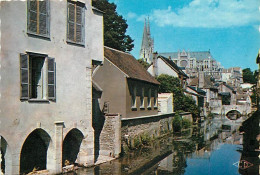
173, 66
129, 65
198, 55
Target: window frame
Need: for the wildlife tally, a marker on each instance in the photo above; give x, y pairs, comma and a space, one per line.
29, 32
27, 58
82, 5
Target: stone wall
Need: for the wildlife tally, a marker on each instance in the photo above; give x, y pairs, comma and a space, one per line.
134, 131
110, 136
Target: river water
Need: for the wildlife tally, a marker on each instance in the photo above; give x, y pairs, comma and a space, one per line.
212, 148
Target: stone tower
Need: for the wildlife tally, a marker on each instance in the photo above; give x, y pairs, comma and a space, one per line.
146, 52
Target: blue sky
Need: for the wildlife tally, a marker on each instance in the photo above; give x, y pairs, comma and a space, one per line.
229, 28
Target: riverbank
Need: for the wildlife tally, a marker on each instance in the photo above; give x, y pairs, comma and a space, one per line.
175, 154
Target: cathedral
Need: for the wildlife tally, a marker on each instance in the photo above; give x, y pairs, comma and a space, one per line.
190, 62
146, 52
194, 62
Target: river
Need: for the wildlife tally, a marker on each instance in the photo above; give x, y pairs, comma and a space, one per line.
214, 147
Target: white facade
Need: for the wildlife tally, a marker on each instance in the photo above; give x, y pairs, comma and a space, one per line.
165, 103
50, 120
160, 67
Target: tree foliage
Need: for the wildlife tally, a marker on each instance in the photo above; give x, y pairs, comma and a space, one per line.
144, 63
249, 76
170, 84
115, 27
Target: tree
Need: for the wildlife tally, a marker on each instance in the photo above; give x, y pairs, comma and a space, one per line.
114, 27
144, 63
248, 76
181, 102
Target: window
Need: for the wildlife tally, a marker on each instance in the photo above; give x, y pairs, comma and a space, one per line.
38, 20
75, 22
133, 97
155, 99
37, 73
142, 99
149, 98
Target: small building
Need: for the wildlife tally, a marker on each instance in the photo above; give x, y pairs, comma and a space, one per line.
127, 88
162, 65
165, 103
227, 93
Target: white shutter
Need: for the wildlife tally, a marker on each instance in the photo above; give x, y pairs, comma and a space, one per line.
51, 79
24, 76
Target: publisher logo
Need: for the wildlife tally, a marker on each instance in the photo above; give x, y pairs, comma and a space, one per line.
243, 164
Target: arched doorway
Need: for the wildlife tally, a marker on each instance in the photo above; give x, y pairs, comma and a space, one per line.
71, 146
34, 151
233, 115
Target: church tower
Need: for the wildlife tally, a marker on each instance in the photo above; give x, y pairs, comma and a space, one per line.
146, 52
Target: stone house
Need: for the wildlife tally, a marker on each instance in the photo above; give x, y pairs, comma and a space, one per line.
47, 49
125, 86
162, 65
226, 92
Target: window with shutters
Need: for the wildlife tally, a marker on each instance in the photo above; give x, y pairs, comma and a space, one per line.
75, 22
38, 21
37, 77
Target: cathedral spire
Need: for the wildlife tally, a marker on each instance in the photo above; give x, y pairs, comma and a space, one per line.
148, 27
146, 50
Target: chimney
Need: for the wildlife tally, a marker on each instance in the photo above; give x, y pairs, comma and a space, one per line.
155, 60
201, 79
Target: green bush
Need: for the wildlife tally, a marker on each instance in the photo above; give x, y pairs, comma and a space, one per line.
186, 123
177, 123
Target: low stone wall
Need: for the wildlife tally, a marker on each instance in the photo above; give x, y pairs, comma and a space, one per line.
137, 130
110, 136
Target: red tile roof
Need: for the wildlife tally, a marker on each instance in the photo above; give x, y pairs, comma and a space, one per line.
129, 65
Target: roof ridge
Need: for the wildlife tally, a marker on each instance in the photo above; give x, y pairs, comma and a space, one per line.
118, 50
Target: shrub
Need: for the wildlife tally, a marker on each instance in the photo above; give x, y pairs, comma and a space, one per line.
186, 123
177, 123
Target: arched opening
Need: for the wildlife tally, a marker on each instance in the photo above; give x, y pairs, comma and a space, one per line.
34, 151
233, 115
71, 146
3, 153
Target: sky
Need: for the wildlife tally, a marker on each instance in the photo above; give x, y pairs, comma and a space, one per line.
228, 28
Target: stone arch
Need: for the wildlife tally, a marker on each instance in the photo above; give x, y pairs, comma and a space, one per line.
71, 146
35, 151
233, 114
6, 157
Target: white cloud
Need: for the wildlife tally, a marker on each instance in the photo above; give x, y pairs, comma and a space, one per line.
131, 15
209, 14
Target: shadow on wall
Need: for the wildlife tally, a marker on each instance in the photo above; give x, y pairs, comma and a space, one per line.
98, 120
250, 150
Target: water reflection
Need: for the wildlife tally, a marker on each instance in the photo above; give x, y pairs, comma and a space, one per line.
211, 148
